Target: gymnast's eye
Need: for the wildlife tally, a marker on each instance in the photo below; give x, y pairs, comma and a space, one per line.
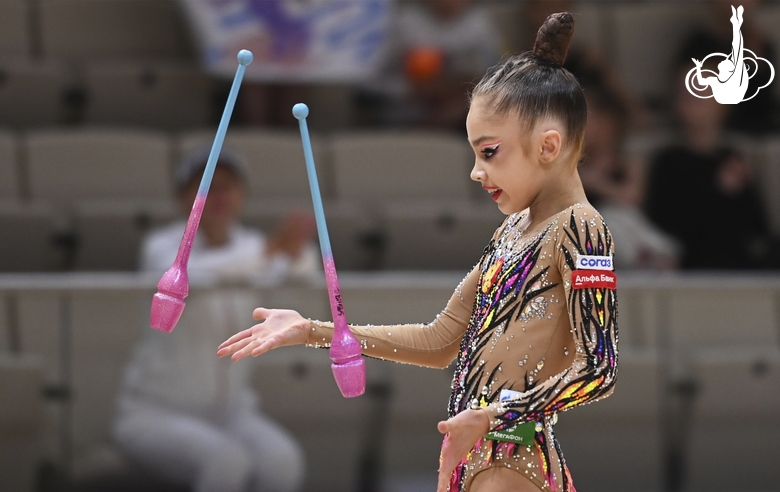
489, 152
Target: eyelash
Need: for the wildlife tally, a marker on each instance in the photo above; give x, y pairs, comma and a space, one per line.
489, 152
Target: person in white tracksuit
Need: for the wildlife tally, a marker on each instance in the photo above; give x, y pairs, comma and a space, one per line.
183, 414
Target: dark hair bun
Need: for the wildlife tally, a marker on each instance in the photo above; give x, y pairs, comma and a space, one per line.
553, 38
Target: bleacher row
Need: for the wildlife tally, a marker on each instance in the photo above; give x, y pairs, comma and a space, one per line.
98, 191
83, 198
131, 62
698, 377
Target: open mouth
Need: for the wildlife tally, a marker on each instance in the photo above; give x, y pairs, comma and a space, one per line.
494, 192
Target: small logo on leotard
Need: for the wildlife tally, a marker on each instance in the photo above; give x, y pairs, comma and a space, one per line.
591, 262
730, 84
593, 279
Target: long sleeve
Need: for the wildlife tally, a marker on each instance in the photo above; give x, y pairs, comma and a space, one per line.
434, 344
591, 302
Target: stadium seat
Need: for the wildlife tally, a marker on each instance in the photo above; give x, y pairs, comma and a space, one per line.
647, 36
638, 318
418, 401
274, 161
394, 166
104, 329
14, 32
170, 96
88, 30
702, 318
267, 214
68, 165
737, 402
39, 317
304, 375
28, 237
437, 235
21, 417
109, 233
616, 444
768, 174
356, 236
9, 167
31, 94
6, 335
766, 17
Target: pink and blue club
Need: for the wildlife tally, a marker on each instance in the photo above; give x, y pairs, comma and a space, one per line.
168, 303
349, 368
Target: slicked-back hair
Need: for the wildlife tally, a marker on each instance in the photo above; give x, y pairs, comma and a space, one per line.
535, 90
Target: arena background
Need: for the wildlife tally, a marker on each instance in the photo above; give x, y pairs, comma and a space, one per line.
99, 99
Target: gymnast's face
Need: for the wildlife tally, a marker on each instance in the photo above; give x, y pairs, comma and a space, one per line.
506, 164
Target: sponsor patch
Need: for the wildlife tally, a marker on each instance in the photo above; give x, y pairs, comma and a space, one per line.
591, 262
507, 394
593, 279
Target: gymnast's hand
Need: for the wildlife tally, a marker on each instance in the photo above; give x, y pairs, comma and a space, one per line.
281, 327
461, 434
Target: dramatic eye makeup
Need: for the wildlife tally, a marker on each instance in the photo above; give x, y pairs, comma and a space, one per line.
490, 150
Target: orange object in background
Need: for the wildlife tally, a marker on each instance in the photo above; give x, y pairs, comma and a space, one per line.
424, 64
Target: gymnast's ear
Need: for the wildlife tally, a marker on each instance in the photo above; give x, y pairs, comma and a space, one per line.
550, 144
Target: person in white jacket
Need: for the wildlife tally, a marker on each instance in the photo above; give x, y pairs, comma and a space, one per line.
183, 414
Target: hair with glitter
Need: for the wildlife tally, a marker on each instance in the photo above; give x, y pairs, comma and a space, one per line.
535, 86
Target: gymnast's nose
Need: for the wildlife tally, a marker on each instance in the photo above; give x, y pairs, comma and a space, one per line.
477, 173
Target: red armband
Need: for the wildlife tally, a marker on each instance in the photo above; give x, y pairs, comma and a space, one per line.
593, 279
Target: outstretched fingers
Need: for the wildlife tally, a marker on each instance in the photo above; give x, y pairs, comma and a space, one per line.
277, 328
242, 338
260, 344
245, 349
234, 347
266, 345
278, 339
235, 338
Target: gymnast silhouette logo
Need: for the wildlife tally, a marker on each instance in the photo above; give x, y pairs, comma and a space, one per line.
730, 84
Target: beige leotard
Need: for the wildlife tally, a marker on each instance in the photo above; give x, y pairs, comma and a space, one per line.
526, 319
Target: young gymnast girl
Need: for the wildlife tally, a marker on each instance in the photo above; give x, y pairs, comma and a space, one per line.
534, 325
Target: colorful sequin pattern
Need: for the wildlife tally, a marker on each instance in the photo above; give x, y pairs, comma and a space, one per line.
524, 300
528, 344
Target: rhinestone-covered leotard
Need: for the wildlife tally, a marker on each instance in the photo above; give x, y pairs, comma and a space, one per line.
517, 322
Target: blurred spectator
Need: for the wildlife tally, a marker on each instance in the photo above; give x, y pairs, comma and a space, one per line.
702, 191
222, 246
756, 116
439, 47
189, 417
615, 184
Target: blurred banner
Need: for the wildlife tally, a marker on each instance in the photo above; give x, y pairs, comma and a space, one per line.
293, 40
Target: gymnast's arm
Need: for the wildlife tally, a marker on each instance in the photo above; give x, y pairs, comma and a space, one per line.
434, 344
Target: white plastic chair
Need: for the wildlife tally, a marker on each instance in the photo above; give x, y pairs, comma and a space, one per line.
68, 165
